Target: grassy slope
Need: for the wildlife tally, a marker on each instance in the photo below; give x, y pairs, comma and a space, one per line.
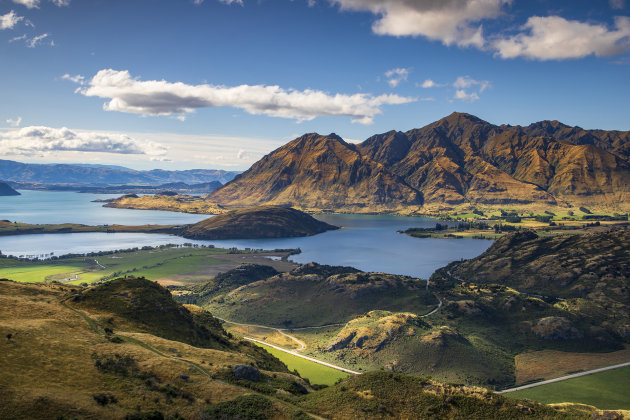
48, 370
48, 367
606, 390
303, 299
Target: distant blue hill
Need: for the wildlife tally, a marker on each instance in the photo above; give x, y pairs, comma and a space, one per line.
105, 175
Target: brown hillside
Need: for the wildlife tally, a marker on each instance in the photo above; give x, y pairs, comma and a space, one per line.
459, 159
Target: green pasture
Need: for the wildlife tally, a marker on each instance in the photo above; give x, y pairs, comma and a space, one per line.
608, 390
152, 264
314, 372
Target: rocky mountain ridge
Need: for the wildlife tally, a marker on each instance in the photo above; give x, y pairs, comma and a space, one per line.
458, 160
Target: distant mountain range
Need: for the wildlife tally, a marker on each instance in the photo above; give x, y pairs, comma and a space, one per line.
105, 175
458, 160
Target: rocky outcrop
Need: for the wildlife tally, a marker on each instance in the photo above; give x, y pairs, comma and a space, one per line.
556, 328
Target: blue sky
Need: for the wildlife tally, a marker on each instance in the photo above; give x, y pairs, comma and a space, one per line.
181, 84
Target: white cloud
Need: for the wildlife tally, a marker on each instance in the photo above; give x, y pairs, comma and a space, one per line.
34, 4
555, 38
14, 123
78, 79
17, 38
197, 2
159, 97
453, 22
464, 82
464, 96
617, 4
36, 40
228, 2
396, 76
9, 20
311, 3
40, 139
430, 84
28, 3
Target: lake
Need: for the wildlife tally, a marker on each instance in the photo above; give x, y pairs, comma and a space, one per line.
367, 242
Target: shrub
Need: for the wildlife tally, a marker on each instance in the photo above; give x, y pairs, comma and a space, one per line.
104, 399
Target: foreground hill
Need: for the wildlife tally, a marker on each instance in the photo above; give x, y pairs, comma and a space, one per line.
458, 160
6, 190
93, 357
258, 222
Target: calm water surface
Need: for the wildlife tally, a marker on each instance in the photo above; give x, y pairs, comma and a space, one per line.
367, 242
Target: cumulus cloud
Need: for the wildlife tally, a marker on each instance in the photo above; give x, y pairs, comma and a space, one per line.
453, 22
465, 96
159, 97
28, 3
228, 2
39, 139
61, 3
464, 82
428, 83
14, 123
553, 37
9, 20
396, 76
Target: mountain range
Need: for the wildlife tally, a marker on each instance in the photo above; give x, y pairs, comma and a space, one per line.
101, 175
458, 160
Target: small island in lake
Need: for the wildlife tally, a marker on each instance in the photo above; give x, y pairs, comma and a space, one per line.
258, 222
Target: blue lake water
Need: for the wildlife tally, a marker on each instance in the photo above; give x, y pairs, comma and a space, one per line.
367, 242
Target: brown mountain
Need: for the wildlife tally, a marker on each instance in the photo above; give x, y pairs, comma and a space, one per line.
459, 159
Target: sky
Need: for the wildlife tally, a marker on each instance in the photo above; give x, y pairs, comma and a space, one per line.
182, 84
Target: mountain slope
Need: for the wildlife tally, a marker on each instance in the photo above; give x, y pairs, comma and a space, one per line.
318, 172
458, 160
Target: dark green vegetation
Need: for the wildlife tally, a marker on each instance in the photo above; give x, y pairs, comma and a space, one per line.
459, 160
585, 390
314, 294
392, 395
91, 353
258, 222
6, 190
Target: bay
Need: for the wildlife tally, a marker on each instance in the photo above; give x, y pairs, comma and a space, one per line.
367, 242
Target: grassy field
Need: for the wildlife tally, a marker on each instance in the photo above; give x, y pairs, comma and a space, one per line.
156, 263
314, 372
608, 390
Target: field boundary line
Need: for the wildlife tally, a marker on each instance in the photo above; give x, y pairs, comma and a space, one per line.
564, 378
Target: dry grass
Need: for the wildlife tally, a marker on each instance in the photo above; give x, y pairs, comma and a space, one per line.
548, 364
47, 368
